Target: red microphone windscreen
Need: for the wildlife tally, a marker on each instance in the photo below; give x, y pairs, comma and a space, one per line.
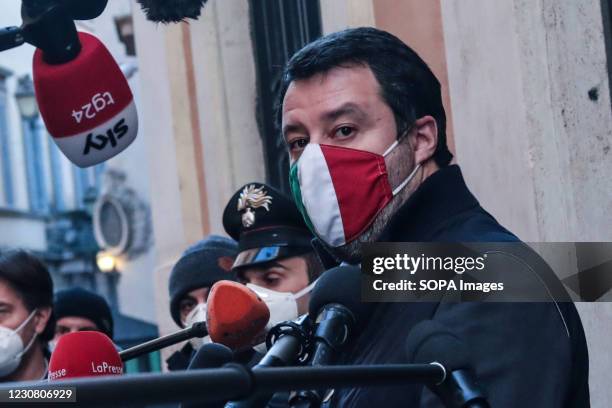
86, 104
84, 354
235, 314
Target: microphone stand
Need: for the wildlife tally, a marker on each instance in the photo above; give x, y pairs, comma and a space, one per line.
329, 338
198, 329
287, 342
230, 382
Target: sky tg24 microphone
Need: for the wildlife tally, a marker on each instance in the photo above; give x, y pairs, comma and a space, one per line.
86, 103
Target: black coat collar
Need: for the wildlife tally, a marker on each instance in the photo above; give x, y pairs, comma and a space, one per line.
442, 196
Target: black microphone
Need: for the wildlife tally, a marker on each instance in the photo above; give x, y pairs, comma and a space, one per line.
85, 10
77, 9
11, 37
430, 342
210, 355
49, 25
337, 311
287, 342
197, 329
171, 11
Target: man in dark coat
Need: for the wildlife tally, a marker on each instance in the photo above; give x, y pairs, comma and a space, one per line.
363, 120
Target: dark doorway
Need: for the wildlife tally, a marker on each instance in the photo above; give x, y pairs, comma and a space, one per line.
279, 28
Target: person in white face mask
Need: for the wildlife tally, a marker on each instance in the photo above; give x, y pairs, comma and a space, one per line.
200, 266
26, 323
276, 259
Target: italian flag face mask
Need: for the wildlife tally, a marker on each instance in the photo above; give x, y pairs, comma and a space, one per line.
340, 191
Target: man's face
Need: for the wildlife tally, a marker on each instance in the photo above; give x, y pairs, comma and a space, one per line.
285, 275
342, 107
72, 324
13, 312
191, 299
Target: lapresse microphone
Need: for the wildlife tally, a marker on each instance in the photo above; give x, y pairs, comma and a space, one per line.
235, 315
430, 342
337, 312
86, 103
84, 354
171, 11
211, 355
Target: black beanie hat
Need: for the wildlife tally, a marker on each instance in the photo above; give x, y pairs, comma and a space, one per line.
83, 303
201, 265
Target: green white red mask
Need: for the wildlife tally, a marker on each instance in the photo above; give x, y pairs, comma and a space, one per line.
340, 191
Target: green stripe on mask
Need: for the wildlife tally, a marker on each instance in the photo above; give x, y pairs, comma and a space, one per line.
294, 183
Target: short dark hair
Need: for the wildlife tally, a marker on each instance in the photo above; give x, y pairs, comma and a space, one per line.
407, 84
29, 277
313, 266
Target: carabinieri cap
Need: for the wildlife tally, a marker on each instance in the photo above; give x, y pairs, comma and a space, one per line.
267, 225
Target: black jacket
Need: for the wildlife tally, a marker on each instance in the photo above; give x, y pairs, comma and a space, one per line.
525, 354
180, 359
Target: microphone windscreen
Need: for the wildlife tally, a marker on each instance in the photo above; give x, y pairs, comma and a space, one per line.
171, 11
86, 104
430, 341
211, 355
85, 10
341, 285
235, 314
84, 354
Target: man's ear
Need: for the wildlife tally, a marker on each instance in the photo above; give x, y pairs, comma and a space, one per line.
425, 139
42, 316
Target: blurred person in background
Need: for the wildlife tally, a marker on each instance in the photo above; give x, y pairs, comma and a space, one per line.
200, 266
77, 309
26, 321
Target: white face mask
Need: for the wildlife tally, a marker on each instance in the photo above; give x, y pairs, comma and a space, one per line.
283, 306
11, 347
52, 345
198, 314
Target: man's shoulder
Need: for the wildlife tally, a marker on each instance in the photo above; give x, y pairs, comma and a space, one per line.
473, 225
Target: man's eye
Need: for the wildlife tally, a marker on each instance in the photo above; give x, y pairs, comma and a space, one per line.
187, 306
344, 131
298, 144
271, 280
